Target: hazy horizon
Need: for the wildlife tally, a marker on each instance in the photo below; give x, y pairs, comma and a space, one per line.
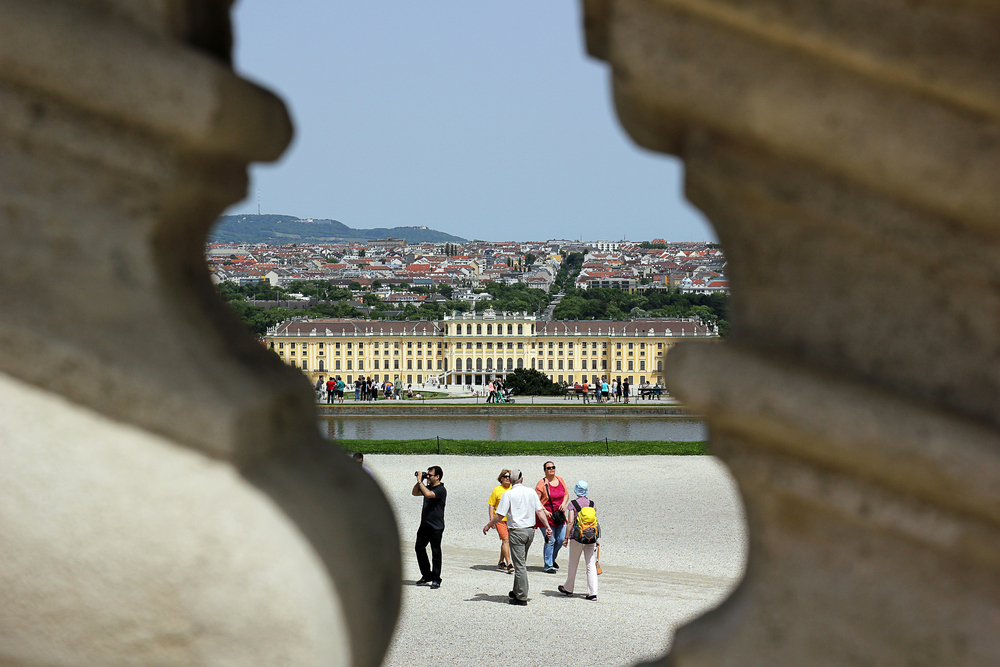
478, 120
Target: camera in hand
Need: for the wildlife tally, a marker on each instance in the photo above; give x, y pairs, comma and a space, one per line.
420, 475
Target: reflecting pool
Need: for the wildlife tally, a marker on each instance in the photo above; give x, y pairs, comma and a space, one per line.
547, 427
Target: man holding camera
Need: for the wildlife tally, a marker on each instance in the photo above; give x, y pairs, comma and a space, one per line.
522, 508
431, 524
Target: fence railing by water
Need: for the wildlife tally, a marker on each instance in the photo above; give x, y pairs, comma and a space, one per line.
449, 446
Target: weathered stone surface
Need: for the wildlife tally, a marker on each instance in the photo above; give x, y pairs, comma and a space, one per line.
121, 548
847, 153
123, 134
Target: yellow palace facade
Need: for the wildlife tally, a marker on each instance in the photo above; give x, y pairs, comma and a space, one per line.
472, 348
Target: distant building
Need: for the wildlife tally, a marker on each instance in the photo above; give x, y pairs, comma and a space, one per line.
472, 348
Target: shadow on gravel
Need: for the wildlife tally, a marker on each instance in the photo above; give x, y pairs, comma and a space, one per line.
493, 568
483, 597
487, 568
555, 594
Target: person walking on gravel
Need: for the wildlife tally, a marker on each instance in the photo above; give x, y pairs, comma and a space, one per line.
576, 549
553, 495
522, 508
505, 564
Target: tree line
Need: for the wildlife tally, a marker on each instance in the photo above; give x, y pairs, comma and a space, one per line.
613, 304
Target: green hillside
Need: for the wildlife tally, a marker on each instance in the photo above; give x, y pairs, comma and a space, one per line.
277, 229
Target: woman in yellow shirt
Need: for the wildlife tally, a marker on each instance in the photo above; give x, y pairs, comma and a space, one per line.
505, 564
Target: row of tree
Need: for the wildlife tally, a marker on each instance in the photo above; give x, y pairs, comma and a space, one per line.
514, 298
613, 304
568, 271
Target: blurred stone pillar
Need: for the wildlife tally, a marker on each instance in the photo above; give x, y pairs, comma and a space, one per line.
165, 496
848, 154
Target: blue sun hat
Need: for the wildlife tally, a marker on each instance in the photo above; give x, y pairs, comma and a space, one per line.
581, 488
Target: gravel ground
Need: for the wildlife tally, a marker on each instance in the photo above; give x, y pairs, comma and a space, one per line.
673, 545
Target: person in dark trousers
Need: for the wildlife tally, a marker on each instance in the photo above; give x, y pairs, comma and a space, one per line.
431, 524
523, 509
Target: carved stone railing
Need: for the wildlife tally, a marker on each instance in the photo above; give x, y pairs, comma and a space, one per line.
166, 497
848, 155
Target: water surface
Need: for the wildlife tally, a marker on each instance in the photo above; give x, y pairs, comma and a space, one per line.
547, 427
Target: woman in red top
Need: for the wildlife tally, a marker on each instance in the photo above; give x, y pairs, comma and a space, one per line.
551, 490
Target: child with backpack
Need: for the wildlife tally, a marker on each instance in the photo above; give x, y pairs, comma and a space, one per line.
582, 536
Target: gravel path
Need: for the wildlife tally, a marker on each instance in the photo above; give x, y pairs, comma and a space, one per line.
673, 545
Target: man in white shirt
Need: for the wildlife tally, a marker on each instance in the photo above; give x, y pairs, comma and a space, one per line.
522, 507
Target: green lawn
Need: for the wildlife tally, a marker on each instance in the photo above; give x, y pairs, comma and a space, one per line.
524, 447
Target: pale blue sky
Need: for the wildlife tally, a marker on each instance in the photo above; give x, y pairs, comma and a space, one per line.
481, 119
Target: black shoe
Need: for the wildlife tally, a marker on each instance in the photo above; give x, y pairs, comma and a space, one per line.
511, 595
555, 565
592, 597
519, 603
550, 570
423, 581
436, 584
564, 591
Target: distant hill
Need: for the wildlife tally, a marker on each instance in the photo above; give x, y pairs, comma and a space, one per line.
277, 229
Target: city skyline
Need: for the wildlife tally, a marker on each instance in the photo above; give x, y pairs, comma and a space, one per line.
479, 121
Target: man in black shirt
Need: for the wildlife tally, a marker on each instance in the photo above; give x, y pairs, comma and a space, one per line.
431, 524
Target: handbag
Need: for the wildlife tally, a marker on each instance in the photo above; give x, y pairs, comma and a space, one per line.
597, 560
558, 516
